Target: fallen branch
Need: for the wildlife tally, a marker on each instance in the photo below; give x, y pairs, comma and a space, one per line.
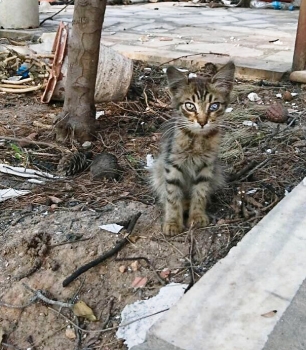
106, 255
29, 141
22, 90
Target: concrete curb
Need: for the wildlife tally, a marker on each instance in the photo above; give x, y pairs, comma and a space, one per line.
231, 307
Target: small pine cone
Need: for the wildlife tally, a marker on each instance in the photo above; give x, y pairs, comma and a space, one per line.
74, 163
277, 113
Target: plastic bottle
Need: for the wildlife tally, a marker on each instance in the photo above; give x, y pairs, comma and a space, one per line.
276, 5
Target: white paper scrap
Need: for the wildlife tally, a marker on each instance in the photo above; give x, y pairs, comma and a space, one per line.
27, 173
8, 193
150, 161
114, 228
135, 333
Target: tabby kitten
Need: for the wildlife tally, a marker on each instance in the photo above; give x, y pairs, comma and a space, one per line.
186, 172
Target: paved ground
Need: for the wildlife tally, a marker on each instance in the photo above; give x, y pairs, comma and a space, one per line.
261, 41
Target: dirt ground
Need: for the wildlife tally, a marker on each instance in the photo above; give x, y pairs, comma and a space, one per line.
49, 233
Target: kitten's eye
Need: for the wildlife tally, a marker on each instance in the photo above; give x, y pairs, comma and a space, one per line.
214, 107
190, 107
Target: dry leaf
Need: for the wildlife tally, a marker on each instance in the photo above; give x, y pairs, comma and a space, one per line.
70, 333
82, 310
269, 314
135, 265
134, 239
139, 282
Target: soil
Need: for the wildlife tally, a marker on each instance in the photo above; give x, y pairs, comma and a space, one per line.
49, 233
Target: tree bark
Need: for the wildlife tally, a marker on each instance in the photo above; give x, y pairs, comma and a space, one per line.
77, 120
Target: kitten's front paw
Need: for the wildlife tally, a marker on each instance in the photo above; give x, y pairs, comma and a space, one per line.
172, 228
198, 220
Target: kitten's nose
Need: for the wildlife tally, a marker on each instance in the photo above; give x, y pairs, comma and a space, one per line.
202, 123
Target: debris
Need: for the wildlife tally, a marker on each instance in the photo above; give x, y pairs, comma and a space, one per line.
99, 114
277, 113
269, 314
254, 97
103, 257
9, 193
192, 75
150, 161
114, 228
70, 333
165, 273
105, 166
135, 333
139, 282
229, 110
135, 265
278, 95
122, 268
27, 173
250, 123
82, 310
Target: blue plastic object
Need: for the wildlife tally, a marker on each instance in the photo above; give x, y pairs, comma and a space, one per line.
23, 70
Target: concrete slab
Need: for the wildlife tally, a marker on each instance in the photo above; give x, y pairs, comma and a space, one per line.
242, 33
244, 297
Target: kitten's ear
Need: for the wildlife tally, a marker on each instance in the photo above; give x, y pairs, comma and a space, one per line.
223, 80
176, 80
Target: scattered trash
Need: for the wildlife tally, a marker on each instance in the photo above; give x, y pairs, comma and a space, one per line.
252, 191
147, 70
86, 145
99, 114
229, 110
278, 95
27, 173
276, 5
139, 282
253, 97
150, 161
250, 123
8, 193
269, 151
192, 75
293, 94
269, 314
135, 333
114, 228
82, 310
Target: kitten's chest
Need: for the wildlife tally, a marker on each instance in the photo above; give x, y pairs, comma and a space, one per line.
189, 150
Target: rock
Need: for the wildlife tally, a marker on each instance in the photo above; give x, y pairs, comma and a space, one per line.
70, 333
105, 166
86, 145
287, 96
298, 76
135, 265
122, 268
277, 113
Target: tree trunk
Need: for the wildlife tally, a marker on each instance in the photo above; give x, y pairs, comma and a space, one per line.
77, 120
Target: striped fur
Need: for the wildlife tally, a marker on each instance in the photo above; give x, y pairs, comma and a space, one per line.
186, 172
